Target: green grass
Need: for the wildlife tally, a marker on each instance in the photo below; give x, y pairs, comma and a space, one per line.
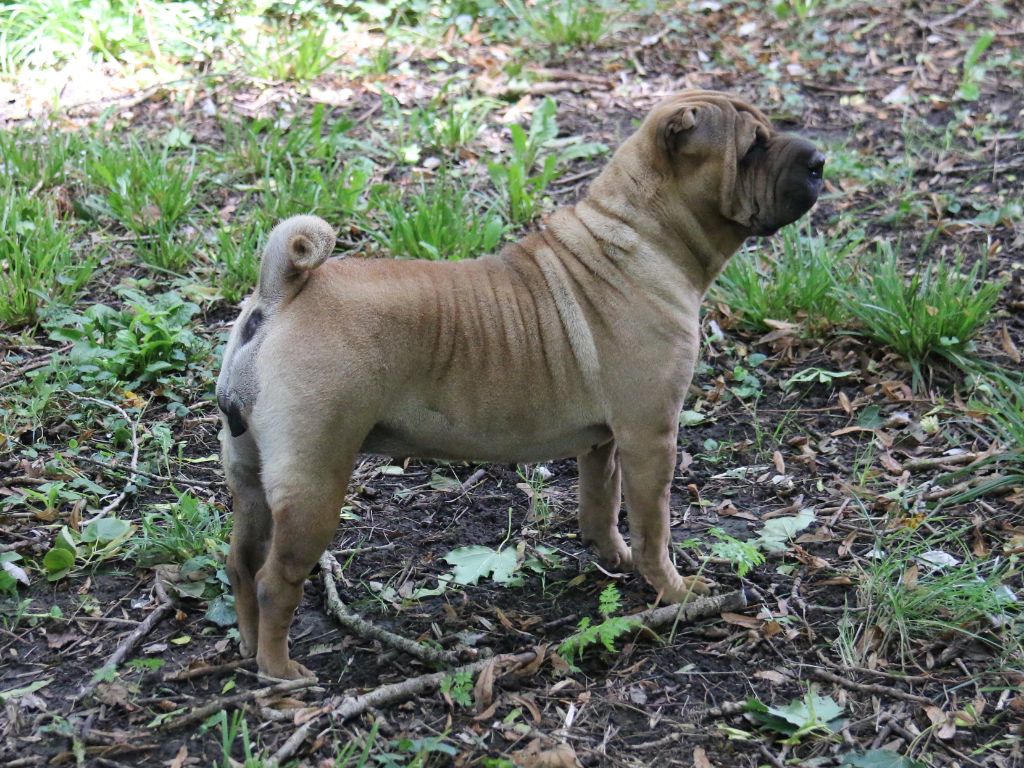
42, 261
333, 190
439, 222
290, 53
33, 159
254, 148
177, 532
933, 316
562, 22
536, 157
237, 258
42, 33
146, 189
908, 602
795, 283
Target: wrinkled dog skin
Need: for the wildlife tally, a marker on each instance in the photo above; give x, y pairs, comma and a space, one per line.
580, 340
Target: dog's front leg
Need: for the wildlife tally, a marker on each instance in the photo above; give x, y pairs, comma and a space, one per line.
600, 500
648, 462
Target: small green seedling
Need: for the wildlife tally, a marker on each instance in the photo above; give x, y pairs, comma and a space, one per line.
459, 688
815, 376
811, 716
72, 550
605, 633
743, 555
973, 69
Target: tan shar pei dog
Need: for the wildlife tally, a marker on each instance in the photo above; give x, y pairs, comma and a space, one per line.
580, 340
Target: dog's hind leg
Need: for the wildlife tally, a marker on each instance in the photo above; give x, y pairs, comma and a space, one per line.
305, 509
250, 531
600, 500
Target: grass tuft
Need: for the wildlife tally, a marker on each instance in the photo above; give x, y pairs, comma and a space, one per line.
558, 22
145, 189
934, 315
438, 223
796, 283
915, 590
38, 264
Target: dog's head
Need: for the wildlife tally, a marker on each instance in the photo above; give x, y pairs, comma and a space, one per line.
722, 159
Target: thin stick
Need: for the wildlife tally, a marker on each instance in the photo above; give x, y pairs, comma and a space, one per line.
205, 669
473, 479
151, 475
931, 462
393, 693
230, 702
882, 690
360, 626
33, 365
119, 499
126, 646
685, 613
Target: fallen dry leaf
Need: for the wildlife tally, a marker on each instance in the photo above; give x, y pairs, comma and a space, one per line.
536, 756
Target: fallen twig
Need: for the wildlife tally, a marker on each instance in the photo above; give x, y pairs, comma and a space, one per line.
931, 462
360, 626
700, 608
351, 706
199, 714
882, 690
33, 365
726, 709
126, 646
205, 669
119, 499
473, 479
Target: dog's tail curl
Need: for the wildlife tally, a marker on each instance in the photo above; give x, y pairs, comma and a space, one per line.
296, 246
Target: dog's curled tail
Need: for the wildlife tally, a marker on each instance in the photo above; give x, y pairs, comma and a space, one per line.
296, 246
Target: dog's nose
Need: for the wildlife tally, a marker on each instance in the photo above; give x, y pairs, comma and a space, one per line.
816, 165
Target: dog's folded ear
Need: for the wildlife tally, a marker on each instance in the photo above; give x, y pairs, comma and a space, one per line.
296, 246
701, 123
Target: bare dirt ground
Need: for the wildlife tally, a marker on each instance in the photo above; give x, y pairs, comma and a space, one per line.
869, 80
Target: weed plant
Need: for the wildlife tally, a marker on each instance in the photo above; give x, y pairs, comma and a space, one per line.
796, 283
148, 341
535, 159
40, 266
177, 532
932, 316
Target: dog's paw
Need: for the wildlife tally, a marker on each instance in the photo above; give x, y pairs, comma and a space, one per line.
616, 560
613, 552
245, 650
686, 588
290, 670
